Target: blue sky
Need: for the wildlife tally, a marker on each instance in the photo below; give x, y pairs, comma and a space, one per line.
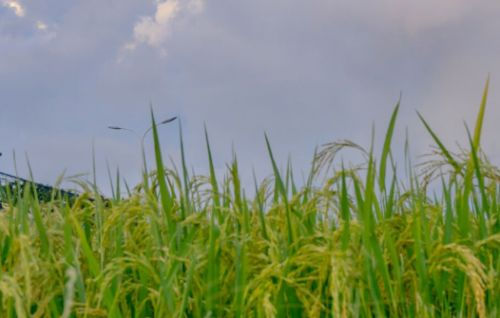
305, 72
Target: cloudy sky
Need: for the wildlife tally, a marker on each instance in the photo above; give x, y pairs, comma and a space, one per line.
305, 72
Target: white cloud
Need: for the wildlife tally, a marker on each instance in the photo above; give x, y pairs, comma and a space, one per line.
166, 11
20, 10
41, 26
15, 6
154, 30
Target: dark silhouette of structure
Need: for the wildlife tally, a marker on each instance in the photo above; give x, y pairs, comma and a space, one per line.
14, 184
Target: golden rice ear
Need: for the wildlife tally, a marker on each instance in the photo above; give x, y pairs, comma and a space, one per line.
337, 244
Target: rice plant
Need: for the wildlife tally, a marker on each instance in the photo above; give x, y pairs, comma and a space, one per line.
352, 241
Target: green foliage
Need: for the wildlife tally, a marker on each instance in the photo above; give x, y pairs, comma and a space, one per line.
13, 190
349, 243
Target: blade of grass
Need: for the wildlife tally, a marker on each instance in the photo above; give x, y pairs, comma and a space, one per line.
213, 180
165, 196
441, 146
260, 207
282, 191
483, 231
112, 186
387, 146
185, 174
42, 230
480, 115
346, 214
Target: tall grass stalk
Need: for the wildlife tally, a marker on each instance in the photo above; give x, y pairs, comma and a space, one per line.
353, 241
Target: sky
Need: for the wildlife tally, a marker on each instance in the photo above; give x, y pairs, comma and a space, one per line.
304, 72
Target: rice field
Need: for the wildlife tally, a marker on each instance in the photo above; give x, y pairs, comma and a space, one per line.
351, 241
